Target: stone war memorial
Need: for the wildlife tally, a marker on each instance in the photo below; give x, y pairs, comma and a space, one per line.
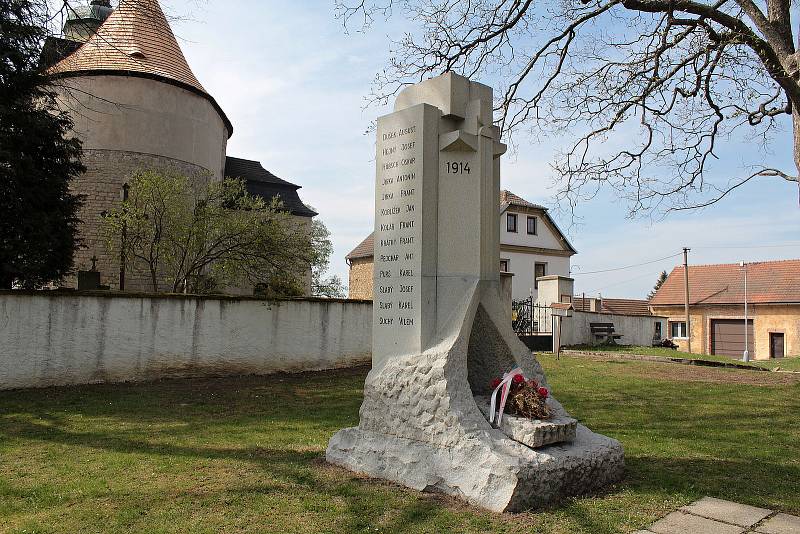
440, 332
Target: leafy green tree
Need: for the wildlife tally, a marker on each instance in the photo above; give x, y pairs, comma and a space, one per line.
200, 235
660, 282
332, 286
38, 213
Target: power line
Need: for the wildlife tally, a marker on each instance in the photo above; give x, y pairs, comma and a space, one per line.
632, 266
736, 247
624, 282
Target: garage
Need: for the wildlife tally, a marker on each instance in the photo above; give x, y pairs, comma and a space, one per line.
728, 337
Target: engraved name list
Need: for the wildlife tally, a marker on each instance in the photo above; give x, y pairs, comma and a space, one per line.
397, 227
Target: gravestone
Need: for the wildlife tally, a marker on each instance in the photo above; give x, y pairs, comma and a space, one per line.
89, 280
440, 329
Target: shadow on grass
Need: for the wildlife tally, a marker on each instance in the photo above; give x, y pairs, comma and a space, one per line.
764, 481
290, 472
653, 419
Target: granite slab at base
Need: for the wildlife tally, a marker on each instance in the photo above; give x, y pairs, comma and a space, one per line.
486, 469
781, 524
727, 511
533, 433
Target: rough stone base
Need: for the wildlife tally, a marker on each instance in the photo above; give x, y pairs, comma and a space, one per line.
420, 425
486, 469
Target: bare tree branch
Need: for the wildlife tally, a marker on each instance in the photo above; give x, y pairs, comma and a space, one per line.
647, 89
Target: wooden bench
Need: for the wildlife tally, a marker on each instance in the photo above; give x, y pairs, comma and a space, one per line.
604, 332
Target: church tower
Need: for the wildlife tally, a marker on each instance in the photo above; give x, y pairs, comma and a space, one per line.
83, 21
136, 105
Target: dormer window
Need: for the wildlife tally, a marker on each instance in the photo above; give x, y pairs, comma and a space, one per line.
136, 53
511, 223
532, 226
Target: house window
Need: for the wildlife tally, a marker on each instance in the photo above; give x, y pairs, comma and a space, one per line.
511, 222
677, 329
532, 225
504, 266
539, 270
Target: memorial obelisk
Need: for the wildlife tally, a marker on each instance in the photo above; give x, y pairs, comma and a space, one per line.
440, 333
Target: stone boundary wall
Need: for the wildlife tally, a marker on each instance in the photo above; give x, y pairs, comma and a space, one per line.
636, 329
71, 338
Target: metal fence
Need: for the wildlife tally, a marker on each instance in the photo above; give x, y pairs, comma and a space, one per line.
530, 319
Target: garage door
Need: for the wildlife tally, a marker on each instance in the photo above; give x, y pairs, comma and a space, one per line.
727, 337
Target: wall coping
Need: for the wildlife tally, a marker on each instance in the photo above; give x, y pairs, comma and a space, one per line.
168, 296
622, 314
726, 304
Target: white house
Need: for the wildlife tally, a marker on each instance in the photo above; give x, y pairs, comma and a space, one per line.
531, 246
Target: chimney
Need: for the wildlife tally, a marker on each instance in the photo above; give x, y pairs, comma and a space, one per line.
596, 304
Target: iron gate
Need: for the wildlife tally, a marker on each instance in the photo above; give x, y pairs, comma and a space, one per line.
531, 319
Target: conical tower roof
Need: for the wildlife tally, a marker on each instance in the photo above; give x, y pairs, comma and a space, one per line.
136, 40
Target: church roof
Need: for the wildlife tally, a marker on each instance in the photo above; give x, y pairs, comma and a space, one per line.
260, 182
135, 40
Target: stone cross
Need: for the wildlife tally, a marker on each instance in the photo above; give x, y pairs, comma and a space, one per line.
440, 331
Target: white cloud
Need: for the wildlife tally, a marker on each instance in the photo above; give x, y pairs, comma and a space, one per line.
293, 85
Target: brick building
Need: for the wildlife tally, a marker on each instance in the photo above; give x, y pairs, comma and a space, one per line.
716, 309
137, 105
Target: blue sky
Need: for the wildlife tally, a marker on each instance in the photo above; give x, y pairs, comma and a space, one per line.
293, 84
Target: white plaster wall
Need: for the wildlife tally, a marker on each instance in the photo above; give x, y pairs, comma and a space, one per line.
52, 340
636, 330
544, 238
146, 116
522, 265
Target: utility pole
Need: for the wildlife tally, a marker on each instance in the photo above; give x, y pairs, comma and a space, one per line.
686, 284
746, 356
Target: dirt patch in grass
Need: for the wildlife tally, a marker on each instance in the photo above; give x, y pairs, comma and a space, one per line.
676, 372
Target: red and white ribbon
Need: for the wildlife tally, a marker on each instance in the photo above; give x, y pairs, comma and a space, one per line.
505, 385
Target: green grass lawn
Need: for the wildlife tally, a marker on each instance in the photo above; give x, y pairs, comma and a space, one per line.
786, 364
246, 454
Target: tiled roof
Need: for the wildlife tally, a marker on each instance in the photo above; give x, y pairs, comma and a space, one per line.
767, 282
366, 249
261, 182
615, 306
507, 198
136, 39
252, 170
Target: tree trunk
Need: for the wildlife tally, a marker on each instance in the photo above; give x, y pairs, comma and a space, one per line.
154, 279
796, 146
